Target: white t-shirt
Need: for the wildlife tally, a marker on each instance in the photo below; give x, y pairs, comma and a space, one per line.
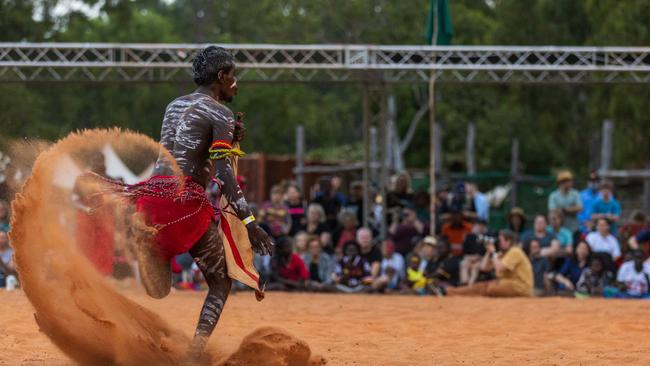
396, 262
635, 282
602, 244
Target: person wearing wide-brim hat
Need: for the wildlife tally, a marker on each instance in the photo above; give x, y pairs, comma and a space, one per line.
567, 200
517, 220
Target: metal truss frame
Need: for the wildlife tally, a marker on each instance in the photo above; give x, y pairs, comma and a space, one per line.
109, 62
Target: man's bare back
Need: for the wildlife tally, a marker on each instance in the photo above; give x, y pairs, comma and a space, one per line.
193, 125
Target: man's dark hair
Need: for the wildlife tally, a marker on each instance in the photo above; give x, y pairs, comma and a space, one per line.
284, 242
508, 235
208, 62
635, 252
352, 243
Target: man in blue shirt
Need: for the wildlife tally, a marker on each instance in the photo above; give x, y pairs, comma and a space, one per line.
606, 207
588, 196
480, 201
567, 200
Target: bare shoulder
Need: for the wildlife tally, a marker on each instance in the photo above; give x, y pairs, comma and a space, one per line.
182, 102
213, 111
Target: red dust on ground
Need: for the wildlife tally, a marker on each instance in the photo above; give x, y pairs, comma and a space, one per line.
388, 330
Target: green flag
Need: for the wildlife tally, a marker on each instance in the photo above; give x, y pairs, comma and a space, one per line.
441, 27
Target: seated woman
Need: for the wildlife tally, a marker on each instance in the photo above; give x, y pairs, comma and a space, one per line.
288, 271
347, 228
352, 272
602, 241
569, 275
320, 264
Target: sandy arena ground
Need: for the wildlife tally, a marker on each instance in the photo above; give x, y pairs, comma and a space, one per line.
391, 330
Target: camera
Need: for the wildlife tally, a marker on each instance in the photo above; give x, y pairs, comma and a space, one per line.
486, 239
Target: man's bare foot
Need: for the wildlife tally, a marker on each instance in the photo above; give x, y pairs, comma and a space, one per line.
196, 348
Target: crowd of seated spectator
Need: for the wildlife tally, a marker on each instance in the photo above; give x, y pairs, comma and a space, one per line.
576, 248
7, 266
579, 247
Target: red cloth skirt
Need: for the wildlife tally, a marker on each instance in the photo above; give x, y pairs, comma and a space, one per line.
178, 208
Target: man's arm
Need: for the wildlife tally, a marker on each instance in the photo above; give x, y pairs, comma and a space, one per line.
573, 209
552, 205
553, 250
559, 278
375, 268
498, 264
576, 208
486, 261
499, 267
616, 253
231, 191
616, 215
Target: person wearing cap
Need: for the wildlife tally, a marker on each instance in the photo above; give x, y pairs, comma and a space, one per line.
443, 267
517, 220
605, 207
421, 266
567, 200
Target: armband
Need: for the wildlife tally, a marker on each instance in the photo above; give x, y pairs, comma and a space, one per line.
222, 149
248, 220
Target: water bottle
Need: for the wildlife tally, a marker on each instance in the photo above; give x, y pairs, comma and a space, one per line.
11, 283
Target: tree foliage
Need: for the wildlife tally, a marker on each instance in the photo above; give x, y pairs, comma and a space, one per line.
557, 125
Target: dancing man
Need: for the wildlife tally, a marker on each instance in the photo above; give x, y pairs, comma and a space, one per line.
199, 131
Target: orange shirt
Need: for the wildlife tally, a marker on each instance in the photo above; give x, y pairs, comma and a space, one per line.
456, 236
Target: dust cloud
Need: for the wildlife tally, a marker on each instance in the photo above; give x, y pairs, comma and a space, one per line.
77, 307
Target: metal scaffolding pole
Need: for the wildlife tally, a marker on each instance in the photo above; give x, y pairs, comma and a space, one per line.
300, 158
129, 62
606, 145
366, 155
385, 152
514, 172
469, 148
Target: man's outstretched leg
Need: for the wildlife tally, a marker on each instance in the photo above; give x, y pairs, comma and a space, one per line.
155, 273
210, 256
